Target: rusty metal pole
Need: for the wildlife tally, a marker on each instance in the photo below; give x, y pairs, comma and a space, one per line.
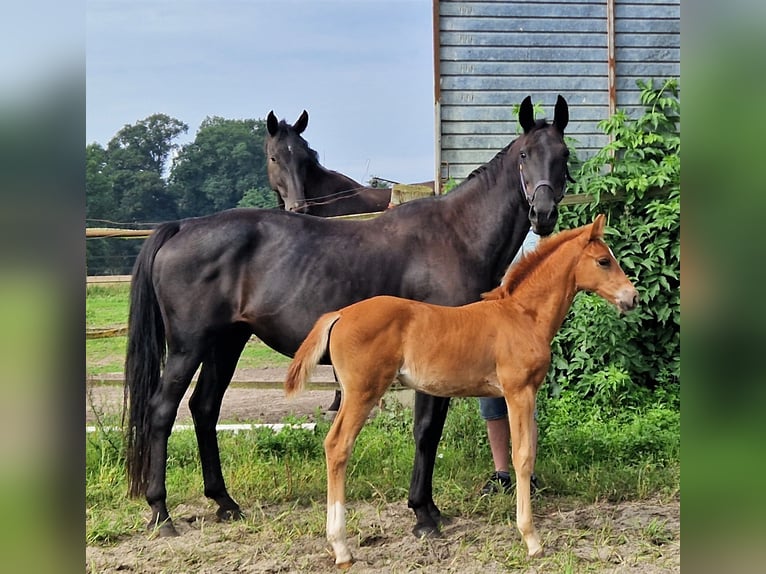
611, 60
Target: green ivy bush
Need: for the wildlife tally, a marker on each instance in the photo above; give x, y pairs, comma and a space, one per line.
632, 360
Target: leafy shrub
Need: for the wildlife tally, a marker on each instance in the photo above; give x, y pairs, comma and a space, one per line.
635, 181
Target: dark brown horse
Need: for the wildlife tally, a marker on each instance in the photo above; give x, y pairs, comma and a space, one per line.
498, 347
202, 286
303, 185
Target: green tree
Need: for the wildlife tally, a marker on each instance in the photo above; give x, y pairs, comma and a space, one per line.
222, 168
137, 157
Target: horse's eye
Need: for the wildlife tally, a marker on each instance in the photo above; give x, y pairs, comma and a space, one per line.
523, 155
272, 158
604, 262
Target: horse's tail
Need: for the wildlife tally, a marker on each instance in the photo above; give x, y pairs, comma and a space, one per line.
145, 358
309, 353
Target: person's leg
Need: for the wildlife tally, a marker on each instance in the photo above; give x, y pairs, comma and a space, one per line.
499, 435
495, 413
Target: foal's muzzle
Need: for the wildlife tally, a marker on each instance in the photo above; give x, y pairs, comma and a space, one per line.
627, 299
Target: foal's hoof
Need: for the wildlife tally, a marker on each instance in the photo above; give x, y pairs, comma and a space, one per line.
228, 514
426, 531
345, 565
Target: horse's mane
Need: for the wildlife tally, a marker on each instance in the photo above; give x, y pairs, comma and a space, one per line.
517, 272
539, 124
284, 126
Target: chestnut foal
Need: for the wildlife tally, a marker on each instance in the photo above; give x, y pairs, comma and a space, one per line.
496, 347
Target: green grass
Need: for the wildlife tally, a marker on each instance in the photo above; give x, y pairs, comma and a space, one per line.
106, 306
263, 468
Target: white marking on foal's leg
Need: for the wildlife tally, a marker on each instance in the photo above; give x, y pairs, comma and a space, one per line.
336, 532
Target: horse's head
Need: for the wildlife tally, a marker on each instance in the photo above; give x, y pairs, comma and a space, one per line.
598, 271
540, 155
287, 158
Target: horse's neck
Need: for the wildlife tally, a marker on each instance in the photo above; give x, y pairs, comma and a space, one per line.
321, 182
547, 292
491, 216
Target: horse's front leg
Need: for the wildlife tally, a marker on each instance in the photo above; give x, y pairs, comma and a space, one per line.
430, 414
521, 406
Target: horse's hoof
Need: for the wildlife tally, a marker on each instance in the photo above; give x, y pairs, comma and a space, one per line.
426, 531
344, 565
164, 530
228, 514
537, 553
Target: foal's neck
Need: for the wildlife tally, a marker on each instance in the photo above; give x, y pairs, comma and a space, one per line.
548, 290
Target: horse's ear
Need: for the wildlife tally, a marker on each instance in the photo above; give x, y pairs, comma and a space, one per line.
527, 114
597, 230
271, 123
561, 114
302, 122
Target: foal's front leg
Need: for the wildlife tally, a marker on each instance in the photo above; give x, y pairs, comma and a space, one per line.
521, 406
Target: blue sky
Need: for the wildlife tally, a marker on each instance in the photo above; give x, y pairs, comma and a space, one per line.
363, 70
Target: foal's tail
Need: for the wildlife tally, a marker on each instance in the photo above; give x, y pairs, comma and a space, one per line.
144, 359
309, 353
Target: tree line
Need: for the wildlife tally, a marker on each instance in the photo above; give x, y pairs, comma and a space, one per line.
143, 177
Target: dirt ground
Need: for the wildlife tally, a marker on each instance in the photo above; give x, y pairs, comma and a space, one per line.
635, 537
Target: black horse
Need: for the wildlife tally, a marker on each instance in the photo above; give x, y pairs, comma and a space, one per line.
202, 286
303, 185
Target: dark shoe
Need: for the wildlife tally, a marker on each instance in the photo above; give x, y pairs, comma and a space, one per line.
498, 481
502, 480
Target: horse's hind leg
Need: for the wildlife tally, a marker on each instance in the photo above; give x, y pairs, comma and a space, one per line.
338, 445
205, 405
163, 407
430, 414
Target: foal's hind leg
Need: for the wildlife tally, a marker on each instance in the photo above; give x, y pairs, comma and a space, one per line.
163, 407
205, 405
430, 414
338, 444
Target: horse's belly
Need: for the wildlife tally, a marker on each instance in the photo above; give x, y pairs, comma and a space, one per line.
451, 385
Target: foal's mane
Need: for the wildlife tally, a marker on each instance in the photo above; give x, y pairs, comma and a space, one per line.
519, 271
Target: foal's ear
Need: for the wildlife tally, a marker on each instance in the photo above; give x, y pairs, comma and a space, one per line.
561, 114
597, 230
527, 114
272, 124
302, 122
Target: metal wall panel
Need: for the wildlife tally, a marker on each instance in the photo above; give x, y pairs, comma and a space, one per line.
492, 54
